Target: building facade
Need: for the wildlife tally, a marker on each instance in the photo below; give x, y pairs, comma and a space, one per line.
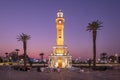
60, 56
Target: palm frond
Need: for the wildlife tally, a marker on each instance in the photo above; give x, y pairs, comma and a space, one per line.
23, 37
95, 25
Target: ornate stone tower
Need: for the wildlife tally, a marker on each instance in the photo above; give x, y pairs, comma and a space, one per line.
60, 57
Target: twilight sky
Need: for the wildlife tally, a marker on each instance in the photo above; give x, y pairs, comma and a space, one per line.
37, 18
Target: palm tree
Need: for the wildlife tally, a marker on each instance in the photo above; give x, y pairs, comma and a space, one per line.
93, 27
24, 38
17, 50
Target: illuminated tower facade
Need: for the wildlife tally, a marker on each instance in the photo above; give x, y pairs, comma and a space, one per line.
60, 28
60, 57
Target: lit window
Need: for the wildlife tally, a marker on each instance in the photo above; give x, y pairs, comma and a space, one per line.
60, 21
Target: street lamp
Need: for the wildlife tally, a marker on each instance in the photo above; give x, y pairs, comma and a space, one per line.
17, 50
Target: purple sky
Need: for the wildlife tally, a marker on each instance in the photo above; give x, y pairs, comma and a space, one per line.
37, 18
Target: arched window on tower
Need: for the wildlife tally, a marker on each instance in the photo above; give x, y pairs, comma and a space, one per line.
59, 36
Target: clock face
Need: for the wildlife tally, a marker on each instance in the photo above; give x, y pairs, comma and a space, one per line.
60, 21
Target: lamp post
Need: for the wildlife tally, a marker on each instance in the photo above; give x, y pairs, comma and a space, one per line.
17, 50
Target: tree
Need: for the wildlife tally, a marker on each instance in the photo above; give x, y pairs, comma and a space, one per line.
13, 56
118, 59
112, 58
24, 38
93, 27
1, 60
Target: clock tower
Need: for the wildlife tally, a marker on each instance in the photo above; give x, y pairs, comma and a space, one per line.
60, 28
60, 57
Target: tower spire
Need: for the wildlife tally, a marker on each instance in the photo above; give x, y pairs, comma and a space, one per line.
59, 13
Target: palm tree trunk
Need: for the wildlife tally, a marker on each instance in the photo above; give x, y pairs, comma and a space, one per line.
94, 48
24, 47
17, 56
